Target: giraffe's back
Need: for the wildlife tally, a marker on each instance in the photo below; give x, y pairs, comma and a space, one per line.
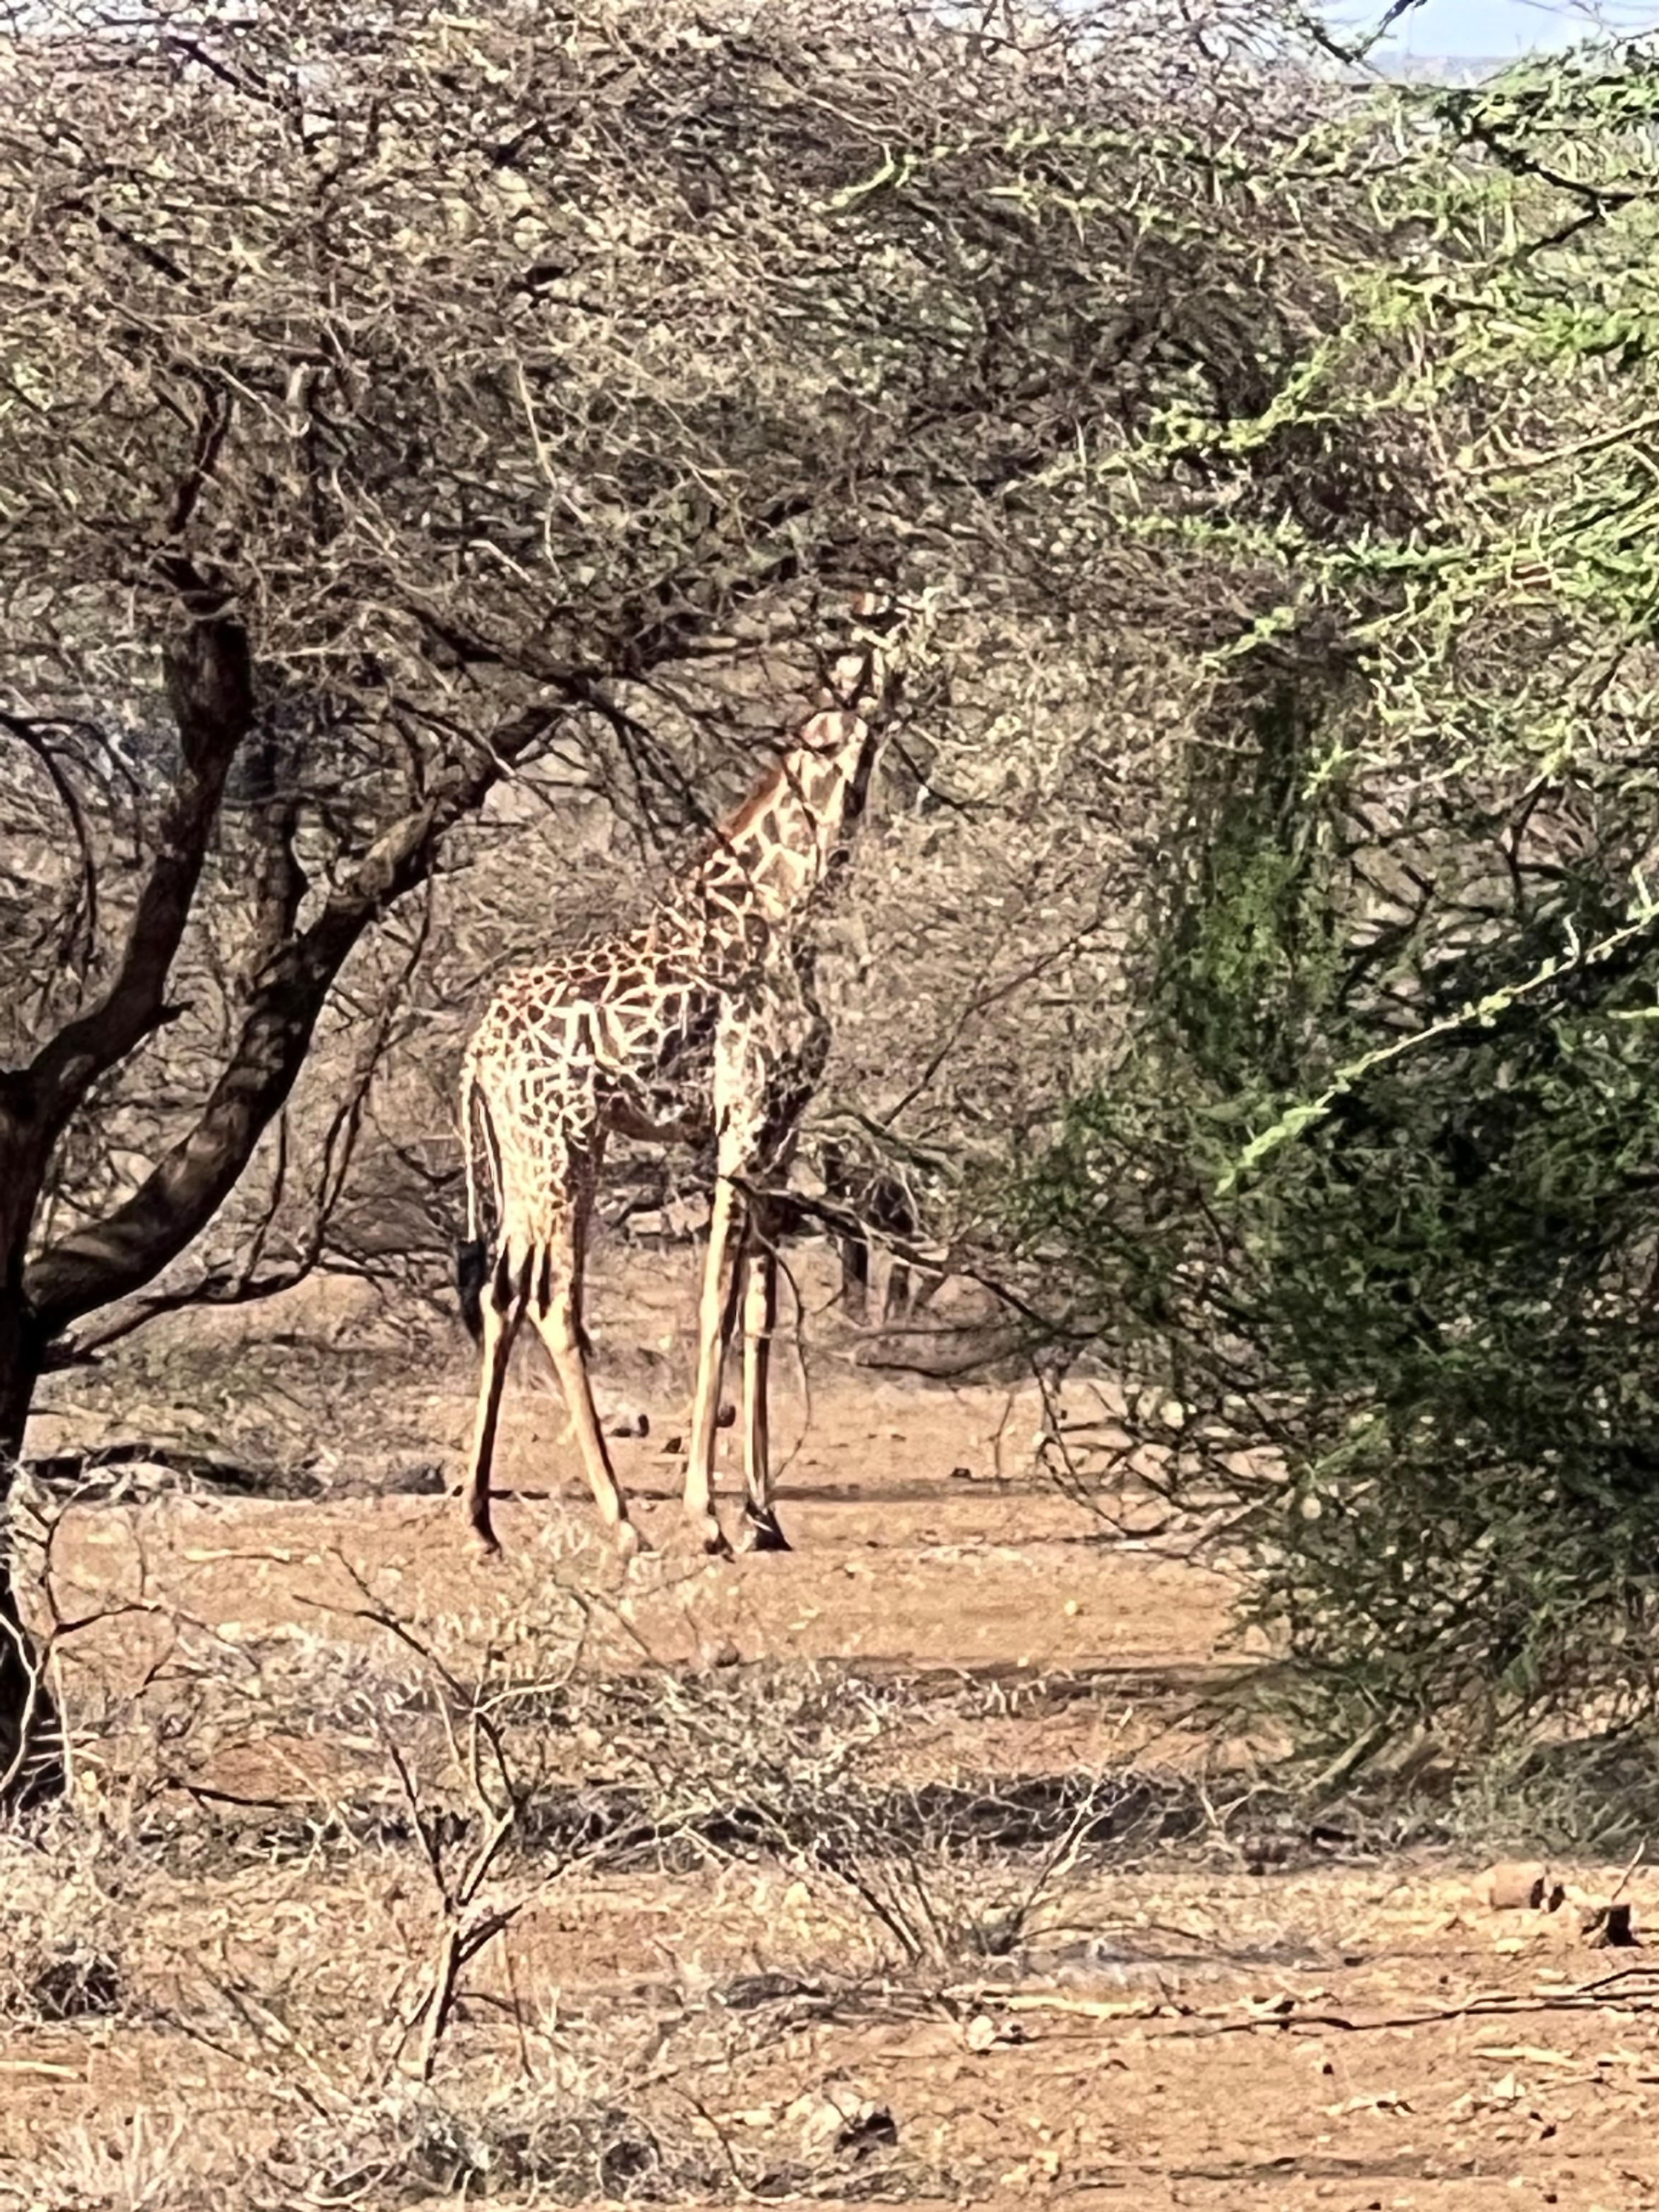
605, 1034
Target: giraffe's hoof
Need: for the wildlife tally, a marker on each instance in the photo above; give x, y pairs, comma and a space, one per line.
711, 1538
486, 1544
630, 1545
761, 1532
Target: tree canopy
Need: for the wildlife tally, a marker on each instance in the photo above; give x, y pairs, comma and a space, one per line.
1367, 1202
398, 405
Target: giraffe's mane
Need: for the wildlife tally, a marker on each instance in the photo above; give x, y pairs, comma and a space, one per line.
743, 818
750, 810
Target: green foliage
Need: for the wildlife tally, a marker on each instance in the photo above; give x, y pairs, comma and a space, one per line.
1367, 1210
1418, 1347
1248, 963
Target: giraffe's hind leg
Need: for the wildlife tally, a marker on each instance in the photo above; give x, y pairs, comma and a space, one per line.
555, 1309
502, 1309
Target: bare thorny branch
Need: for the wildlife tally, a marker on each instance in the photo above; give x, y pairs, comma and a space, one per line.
397, 530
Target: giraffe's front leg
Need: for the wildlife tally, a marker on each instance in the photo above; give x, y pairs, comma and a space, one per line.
713, 1333
760, 1532
767, 1057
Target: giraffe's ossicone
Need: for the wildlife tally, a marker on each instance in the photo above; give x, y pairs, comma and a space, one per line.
700, 1024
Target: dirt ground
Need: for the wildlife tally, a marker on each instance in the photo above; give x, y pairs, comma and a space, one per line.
896, 1868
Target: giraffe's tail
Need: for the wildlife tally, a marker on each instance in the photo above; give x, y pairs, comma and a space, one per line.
482, 1164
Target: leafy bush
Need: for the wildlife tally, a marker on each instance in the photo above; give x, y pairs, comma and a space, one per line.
1433, 1315
1367, 1209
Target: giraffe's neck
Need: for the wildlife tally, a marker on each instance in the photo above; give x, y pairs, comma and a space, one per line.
772, 861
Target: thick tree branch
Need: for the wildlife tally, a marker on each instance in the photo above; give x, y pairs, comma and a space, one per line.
115, 1257
210, 684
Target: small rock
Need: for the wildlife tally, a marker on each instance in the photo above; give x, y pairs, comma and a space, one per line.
871, 2128
423, 1480
672, 1447
818, 2120
724, 1654
633, 1425
726, 1415
1516, 1886
1607, 1927
961, 1474
1261, 1852
840, 2120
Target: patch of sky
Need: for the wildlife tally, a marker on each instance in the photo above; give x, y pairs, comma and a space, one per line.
1469, 32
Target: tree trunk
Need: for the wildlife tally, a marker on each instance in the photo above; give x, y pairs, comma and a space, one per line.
31, 1736
31, 1753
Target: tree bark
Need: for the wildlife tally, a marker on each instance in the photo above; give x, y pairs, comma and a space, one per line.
210, 676
210, 687
31, 1758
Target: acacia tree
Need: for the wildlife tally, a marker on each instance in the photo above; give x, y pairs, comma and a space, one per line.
1367, 1206
392, 401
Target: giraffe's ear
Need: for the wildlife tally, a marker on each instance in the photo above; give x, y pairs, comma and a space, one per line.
829, 730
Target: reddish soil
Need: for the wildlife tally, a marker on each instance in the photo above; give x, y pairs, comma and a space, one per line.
1172, 2028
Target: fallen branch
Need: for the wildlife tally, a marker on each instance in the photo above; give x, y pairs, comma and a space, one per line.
1196, 2023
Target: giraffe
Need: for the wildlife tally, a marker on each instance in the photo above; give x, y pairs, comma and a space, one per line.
701, 1022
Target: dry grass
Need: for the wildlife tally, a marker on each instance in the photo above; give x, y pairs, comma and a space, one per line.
894, 1870
333, 1866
